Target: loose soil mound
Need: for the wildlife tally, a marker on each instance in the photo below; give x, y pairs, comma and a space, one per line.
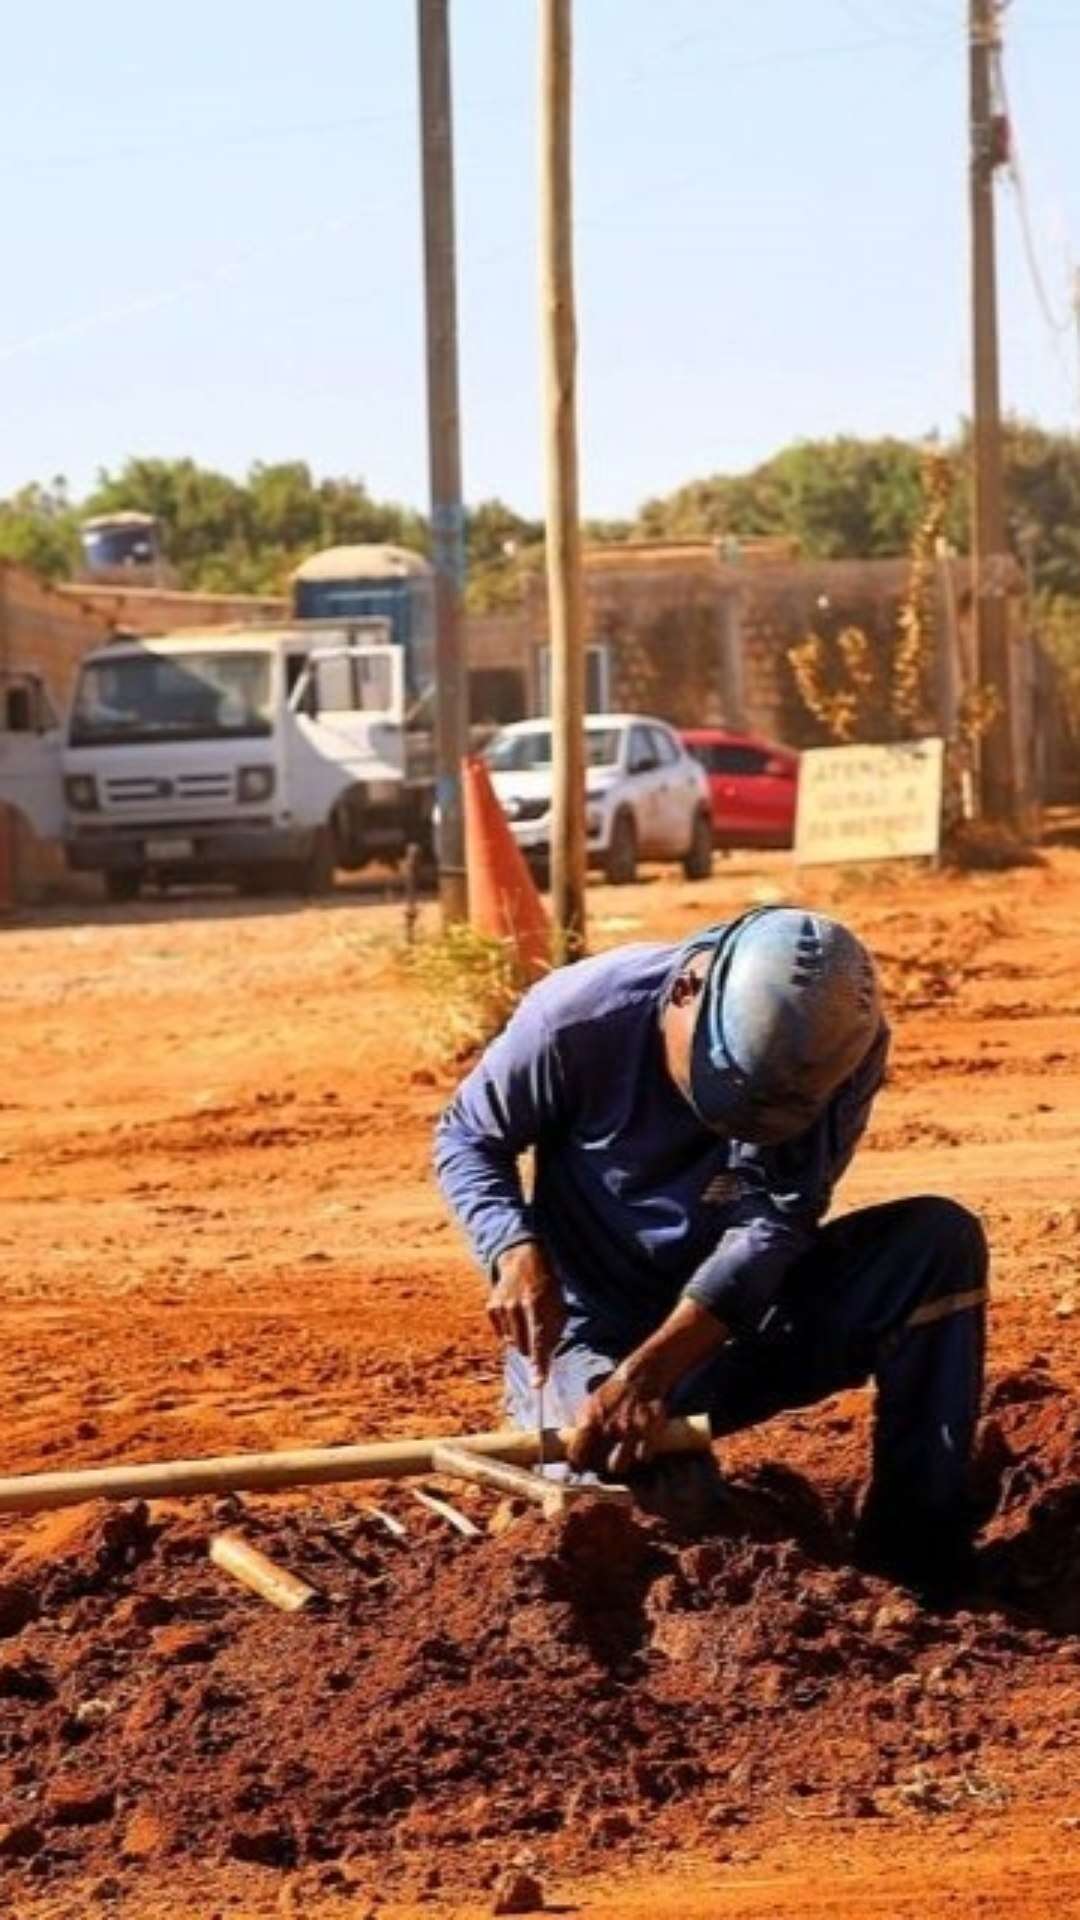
551, 1687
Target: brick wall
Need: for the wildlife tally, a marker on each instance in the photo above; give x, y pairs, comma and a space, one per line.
702, 640
146, 610
46, 628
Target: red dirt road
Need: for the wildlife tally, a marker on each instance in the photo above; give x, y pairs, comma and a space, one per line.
219, 1232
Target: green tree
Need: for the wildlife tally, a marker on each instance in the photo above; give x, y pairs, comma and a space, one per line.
204, 515
234, 536
838, 499
39, 530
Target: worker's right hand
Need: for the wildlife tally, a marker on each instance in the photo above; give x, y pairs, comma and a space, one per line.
526, 1306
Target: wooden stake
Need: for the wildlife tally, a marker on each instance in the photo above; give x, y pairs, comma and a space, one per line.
309, 1467
553, 1496
236, 1556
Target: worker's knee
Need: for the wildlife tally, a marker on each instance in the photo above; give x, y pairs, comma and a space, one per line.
956, 1235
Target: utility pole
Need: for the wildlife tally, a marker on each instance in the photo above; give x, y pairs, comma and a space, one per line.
1000, 786
563, 544
444, 447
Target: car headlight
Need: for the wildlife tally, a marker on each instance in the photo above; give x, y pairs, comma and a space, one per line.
255, 783
80, 792
511, 808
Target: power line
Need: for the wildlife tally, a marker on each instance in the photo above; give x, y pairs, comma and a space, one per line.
1060, 325
1054, 321
210, 278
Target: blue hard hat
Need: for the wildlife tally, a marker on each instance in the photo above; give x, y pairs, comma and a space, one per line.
789, 1007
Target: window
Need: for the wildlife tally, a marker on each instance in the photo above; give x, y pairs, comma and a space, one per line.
352, 683
643, 758
732, 759
597, 679
178, 696
530, 752
663, 746
25, 706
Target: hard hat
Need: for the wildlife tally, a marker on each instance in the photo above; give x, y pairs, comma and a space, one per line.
789, 1007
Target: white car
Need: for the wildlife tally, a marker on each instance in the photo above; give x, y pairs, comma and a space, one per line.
646, 797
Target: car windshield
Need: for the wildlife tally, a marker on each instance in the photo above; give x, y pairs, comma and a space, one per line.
531, 752
157, 696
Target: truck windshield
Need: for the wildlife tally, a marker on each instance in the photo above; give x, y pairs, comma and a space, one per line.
157, 696
529, 752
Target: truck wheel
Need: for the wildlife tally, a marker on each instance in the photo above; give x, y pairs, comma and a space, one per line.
123, 884
697, 860
259, 881
620, 859
315, 875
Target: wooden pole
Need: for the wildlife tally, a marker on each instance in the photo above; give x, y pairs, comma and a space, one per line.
559, 347
308, 1467
444, 449
1000, 788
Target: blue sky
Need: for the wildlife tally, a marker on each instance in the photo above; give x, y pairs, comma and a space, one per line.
212, 234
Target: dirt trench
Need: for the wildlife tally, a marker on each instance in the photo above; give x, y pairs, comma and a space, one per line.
219, 1231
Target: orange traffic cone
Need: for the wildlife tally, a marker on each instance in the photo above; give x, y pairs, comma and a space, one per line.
503, 897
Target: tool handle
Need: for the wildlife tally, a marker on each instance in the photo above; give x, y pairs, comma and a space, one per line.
308, 1467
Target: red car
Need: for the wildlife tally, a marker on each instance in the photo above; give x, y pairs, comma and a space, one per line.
752, 787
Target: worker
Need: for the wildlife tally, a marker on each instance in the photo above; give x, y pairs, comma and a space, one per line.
690, 1110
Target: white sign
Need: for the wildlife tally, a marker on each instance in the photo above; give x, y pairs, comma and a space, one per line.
869, 803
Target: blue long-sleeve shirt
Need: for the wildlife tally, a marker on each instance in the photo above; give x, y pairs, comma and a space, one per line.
634, 1201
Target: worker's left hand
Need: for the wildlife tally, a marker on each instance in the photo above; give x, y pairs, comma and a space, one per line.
619, 1425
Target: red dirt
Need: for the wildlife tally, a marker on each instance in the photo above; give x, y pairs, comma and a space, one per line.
221, 1233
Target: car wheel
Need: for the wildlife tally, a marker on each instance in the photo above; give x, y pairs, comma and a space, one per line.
620, 859
697, 860
123, 885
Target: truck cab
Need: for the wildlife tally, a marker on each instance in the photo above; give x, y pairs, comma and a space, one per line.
262, 756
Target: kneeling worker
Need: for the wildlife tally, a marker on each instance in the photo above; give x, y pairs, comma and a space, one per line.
691, 1109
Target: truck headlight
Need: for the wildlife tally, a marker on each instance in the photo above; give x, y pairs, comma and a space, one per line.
255, 783
80, 792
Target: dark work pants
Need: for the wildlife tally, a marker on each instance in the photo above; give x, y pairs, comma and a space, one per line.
896, 1293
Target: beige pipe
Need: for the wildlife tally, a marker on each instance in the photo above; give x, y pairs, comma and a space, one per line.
307, 1467
236, 1556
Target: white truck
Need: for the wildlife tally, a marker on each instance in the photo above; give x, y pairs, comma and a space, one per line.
262, 756
267, 757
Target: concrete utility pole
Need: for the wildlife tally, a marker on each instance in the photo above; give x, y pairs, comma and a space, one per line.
559, 347
1000, 786
444, 443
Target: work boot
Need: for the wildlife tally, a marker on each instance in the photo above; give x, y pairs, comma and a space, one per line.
685, 1489
931, 1551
